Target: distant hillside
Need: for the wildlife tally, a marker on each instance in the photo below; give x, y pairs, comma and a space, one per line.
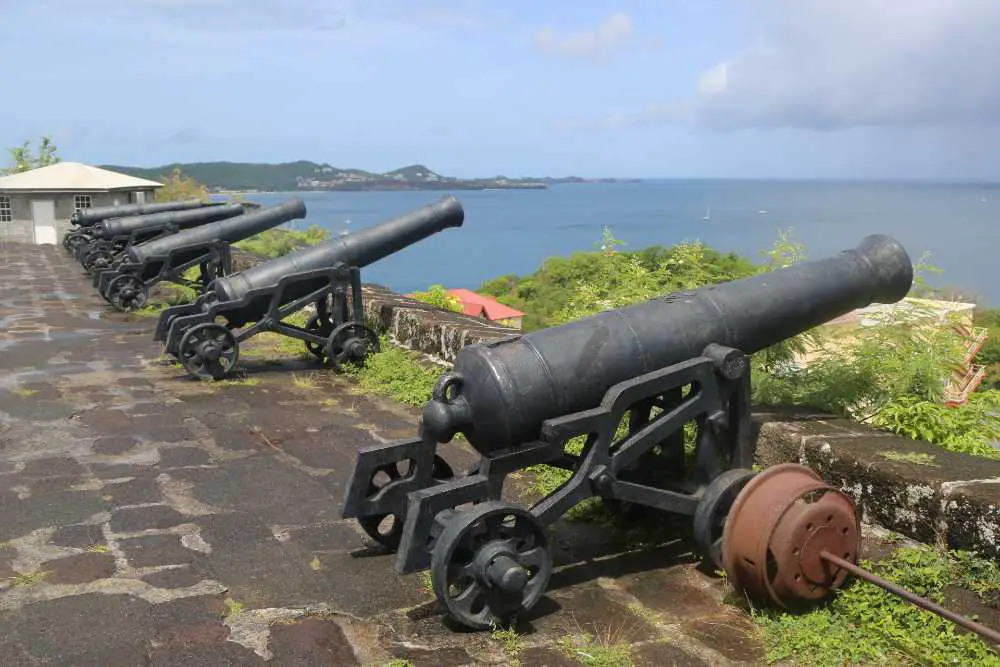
306, 175
237, 175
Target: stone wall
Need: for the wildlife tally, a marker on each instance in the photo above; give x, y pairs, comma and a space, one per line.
908, 486
425, 328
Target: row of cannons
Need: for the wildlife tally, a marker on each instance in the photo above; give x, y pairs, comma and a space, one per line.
624, 382
127, 250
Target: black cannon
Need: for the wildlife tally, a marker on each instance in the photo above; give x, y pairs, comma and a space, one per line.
111, 238
605, 398
328, 274
85, 218
166, 258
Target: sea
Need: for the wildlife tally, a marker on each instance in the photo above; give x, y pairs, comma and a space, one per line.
514, 231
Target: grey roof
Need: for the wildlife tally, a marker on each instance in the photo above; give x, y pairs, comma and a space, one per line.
74, 177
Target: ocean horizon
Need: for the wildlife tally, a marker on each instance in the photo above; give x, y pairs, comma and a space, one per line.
514, 231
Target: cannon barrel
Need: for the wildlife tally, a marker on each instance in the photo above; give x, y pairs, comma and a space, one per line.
91, 216
499, 393
357, 249
185, 219
230, 231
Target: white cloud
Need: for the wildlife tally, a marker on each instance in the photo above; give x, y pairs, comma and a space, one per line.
831, 65
594, 44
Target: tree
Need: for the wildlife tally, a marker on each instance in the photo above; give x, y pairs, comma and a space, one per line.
25, 160
177, 187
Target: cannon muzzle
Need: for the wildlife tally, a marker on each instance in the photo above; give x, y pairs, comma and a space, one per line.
499, 393
357, 249
230, 231
91, 216
184, 219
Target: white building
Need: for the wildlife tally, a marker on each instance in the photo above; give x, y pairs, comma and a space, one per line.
35, 206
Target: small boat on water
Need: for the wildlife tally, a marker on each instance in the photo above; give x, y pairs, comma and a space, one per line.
708, 215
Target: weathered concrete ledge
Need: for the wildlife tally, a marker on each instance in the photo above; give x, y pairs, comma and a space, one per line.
910, 487
425, 328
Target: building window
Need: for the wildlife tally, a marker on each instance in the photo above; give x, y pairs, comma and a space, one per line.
81, 201
6, 210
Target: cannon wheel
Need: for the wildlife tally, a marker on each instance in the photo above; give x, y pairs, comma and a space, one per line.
490, 563
350, 342
73, 241
208, 351
126, 292
388, 535
713, 508
321, 326
92, 258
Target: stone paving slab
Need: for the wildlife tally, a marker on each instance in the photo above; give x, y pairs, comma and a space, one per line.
149, 519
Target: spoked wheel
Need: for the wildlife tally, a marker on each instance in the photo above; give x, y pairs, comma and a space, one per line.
387, 529
208, 351
97, 259
350, 342
126, 292
73, 242
490, 563
713, 508
780, 523
321, 326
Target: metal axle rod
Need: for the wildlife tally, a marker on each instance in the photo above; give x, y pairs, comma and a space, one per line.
986, 633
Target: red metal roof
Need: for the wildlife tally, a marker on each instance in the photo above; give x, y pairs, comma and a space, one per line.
478, 305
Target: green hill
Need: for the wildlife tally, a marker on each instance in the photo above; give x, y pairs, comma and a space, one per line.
238, 175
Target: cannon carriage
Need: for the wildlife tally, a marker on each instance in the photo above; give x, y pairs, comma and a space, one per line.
623, 384
264, 296
83, 220
126, 282
110, 239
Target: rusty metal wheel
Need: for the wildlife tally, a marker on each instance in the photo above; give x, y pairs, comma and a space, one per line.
779, 524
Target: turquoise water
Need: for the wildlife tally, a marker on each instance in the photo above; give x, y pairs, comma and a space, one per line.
513, 231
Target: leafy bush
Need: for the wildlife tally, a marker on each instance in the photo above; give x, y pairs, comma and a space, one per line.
278, 242
437, 295
965, 428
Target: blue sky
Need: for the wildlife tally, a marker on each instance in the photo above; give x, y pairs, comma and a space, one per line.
641, 88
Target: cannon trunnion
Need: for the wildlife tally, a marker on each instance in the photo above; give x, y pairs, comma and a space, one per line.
607, 399
166, 257
327, 275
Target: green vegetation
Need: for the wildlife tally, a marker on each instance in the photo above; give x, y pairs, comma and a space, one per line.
278, 242
565, 288
865, 625
989, 356
596, 652
437, 295
25, 160
511, 642
178, 187
396, 373
233, 175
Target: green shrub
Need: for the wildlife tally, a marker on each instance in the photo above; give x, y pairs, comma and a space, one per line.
278, 242
437, 295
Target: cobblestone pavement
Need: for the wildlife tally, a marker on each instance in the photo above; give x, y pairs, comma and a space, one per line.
148, 519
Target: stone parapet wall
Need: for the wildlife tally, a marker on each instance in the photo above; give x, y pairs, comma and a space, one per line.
425, 328
908, 486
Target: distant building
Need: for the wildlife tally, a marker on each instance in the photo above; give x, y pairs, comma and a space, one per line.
478, 305
35, 206
931, 312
